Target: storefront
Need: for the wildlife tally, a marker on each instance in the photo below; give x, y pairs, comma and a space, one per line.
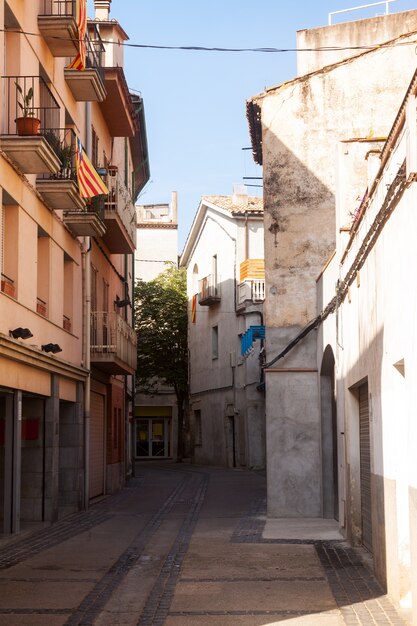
153, 435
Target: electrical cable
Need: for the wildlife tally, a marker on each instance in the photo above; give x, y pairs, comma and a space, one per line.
220, 49
394, 192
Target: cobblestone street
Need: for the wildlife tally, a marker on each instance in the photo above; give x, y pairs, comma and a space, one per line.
183, 546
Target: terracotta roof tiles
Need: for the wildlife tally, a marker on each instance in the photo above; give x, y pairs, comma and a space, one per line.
237, 205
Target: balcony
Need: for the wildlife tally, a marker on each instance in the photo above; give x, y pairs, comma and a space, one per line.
113, 343
88, 85
250, 292
31, 111
119, 216
89, 221
117, 108
252, 268
58, 26
60, 190
209, 290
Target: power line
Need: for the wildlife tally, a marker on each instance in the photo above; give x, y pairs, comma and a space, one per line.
218, 49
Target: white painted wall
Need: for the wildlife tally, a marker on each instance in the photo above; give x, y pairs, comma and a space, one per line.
224, 388
376, 330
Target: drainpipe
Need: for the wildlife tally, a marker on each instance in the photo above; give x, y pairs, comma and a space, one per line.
86, 286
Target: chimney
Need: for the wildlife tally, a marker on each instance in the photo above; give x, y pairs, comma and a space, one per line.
174, 207
102, 9
240, 195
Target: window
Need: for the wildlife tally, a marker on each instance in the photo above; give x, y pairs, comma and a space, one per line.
68, 292
94, 147
44, 245
215, 342
9, 250
94, 273
198, 440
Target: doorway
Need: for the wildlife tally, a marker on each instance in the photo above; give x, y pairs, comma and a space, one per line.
153, 437
329, 437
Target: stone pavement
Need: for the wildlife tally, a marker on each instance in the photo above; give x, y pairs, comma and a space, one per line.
184, 546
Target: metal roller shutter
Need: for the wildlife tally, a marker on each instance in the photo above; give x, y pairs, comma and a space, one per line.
96, 445
365, 466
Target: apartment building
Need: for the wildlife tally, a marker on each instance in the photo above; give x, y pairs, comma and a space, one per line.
67, 345
223, 255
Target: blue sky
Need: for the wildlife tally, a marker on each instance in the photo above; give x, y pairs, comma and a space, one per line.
195, 101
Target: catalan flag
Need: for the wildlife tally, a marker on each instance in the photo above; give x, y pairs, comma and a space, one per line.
78, 63
193, 308
90, 183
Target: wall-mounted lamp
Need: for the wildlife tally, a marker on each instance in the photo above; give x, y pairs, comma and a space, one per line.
20, 333
51, 347
122, 303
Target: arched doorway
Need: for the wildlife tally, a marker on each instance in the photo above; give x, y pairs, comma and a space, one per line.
329, 455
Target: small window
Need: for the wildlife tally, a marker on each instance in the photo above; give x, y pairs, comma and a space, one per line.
94, 147
215, 342
197, 428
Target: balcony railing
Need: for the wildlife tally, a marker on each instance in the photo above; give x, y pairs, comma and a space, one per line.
88, 85
95, 50
58, 24
155, 213
30, 113
250, 291
209, 290
61, 8
120, 216
63, 143
113, 343
29, 98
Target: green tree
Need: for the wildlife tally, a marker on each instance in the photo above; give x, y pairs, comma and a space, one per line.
161, 326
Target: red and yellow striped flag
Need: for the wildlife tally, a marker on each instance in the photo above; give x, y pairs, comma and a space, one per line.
193, 308
90, 183
79, 62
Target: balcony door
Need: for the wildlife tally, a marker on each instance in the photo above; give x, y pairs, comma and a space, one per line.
153, 437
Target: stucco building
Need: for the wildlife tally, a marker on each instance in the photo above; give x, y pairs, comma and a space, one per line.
223, 255
156, 413
339, 340
67, 346
367, 346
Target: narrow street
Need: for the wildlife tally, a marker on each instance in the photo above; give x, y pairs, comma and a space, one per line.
183, 546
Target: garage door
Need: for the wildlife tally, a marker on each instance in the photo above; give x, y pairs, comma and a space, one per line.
365, 463
96, 445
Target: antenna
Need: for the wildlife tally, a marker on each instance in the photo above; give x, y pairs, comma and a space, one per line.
364, 6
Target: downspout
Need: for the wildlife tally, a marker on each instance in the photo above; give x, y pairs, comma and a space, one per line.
86, 286
131, 449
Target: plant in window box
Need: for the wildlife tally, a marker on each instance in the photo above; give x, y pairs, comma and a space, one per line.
27, 123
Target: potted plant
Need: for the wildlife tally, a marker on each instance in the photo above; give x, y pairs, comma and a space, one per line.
27, 123
65, 154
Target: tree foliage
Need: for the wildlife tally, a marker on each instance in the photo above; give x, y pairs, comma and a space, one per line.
161, 326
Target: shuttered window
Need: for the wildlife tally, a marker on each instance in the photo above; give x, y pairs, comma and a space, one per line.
365, 467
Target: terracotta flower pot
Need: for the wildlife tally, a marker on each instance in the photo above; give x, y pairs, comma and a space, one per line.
27, 125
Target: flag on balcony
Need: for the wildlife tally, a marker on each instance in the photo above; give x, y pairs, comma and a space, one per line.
193, 308
78, 63
90, 183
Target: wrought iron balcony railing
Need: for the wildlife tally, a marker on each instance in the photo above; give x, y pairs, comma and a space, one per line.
209, 290
113, 342
95, 51
119, 202
63, 143
30, 107
61, 8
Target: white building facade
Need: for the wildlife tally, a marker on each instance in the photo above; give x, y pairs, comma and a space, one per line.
368, 347
225, 277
